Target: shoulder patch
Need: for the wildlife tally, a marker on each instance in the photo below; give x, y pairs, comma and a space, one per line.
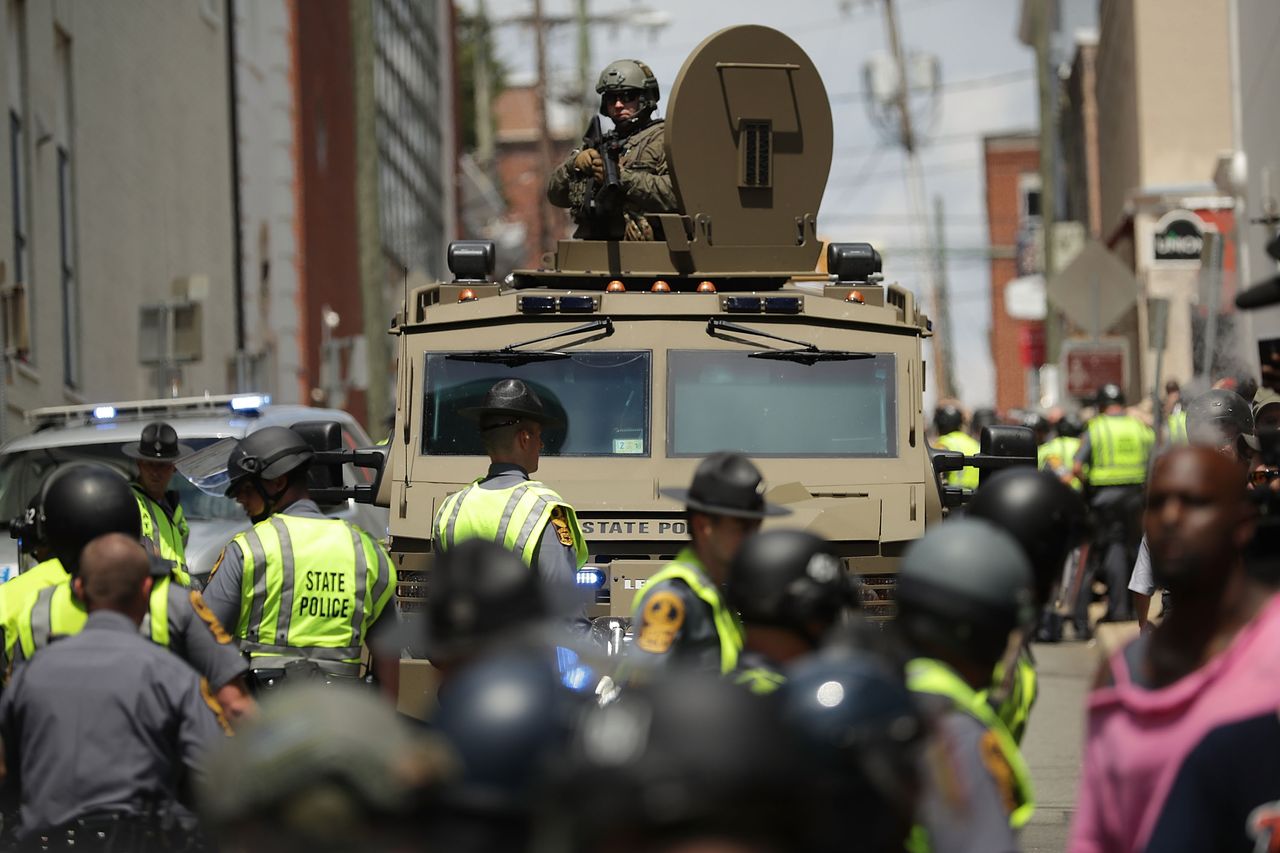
660, 621
998, 766
221, 556
206, 615
215, 706
561, 527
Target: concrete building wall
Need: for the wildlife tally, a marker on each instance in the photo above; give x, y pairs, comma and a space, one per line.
1259, 68
1117, 90
142, 117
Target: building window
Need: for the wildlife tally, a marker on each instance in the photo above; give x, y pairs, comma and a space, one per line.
67, 254
20, 211
17, 179
1028, 196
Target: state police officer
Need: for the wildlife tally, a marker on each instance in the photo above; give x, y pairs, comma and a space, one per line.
304, 591
80, 503
682, 616
164, 525
507, 507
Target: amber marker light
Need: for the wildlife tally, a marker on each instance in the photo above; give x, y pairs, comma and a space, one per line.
855, 296
706, 287
467, 295
660, 286
615, 286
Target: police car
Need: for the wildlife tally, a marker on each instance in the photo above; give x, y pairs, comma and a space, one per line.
98, 433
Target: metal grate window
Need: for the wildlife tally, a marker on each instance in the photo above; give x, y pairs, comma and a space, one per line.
756, 145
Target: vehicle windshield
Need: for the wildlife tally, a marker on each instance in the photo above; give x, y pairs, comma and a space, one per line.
21, 473
602, 397
720, 400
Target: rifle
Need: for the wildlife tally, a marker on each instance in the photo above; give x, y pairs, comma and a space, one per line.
600, 200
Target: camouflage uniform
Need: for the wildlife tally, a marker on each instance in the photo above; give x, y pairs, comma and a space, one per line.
646, 187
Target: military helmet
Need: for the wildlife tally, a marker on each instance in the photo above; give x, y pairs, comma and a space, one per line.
82, 502
1217, 416
789, 579
1110, 394
947, 418
965, 584
623, 74
480, 592
1045, 515
266, 454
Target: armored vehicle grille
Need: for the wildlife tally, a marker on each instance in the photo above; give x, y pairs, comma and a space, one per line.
757, 153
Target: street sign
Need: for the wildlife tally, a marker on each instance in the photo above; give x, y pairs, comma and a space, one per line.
1088, 365
1178, 236
1095, 290
1024, 298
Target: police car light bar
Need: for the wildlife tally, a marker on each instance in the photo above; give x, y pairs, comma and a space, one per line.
97, 412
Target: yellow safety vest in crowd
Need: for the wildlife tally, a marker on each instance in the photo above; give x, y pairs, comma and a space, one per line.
1015, 709
688, 568
925, 675
759, 680
1120, 446
514, 518
1176, 428
168, 536
56, 612
311, 588
16, 594
1058, 454
961, 442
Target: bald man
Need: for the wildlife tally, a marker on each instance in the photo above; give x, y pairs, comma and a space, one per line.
103, 730
1211, 661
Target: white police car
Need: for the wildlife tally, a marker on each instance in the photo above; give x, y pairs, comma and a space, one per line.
98, 433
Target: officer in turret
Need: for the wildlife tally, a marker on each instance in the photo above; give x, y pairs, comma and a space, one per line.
629, 94
682, 617
789, 590
963, 591
507, 507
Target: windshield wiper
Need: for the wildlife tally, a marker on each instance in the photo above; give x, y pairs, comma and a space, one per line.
512, 356
804, 352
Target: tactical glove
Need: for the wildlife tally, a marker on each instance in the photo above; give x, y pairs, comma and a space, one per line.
589, 160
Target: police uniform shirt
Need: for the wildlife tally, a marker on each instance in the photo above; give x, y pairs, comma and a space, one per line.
968, 787
1227, 794
222, 595
103, 721
680, 632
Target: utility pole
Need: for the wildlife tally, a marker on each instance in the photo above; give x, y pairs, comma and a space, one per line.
1045, 80
945, 368
544, 132
584, 60
935, 292
484, 88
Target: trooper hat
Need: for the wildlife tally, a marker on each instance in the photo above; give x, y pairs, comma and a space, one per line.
159, 443
727, 484
512, 397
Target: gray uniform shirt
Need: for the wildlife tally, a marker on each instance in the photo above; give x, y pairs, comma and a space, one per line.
103, 721
225, 584
962, 806
685, 636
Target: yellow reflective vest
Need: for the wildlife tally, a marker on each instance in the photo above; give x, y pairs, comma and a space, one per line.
167, 535
1120, 446
925, 675
514, 518
311, 589
16, 595
1023, 689
961, 442
687, 568
1058, 455
1176, 428
56, 612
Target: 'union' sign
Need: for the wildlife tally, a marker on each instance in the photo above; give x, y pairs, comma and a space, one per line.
1179, 236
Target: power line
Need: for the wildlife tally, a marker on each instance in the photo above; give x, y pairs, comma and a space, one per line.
963, 85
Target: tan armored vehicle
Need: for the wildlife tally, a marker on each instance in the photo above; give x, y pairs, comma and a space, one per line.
717, 335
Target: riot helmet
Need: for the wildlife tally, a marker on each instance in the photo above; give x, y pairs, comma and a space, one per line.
983, 417
1219, 417
966, 585
1069, 426
1046, 516
1110, 395
947, 418
629, 74
82, 502
264, 455
790, 579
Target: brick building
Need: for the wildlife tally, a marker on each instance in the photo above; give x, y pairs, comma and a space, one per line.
1011, 165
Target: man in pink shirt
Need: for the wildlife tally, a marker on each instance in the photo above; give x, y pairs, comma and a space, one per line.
1215, 659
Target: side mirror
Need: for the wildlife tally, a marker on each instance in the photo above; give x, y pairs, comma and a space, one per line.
326, 485
1005, 447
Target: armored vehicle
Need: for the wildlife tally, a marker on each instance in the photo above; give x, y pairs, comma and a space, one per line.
721, 333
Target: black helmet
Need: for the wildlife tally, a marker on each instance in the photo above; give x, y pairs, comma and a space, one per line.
624, 74
480, 592
82, 502
514, 399
984, 417
789, 579
1045, 515
506, 717
727, 484
1036, 422
28, 528
966, 584
860, 734
1218, 416
1110, 394
947, 418
1069, 426
688, 756
266, 454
